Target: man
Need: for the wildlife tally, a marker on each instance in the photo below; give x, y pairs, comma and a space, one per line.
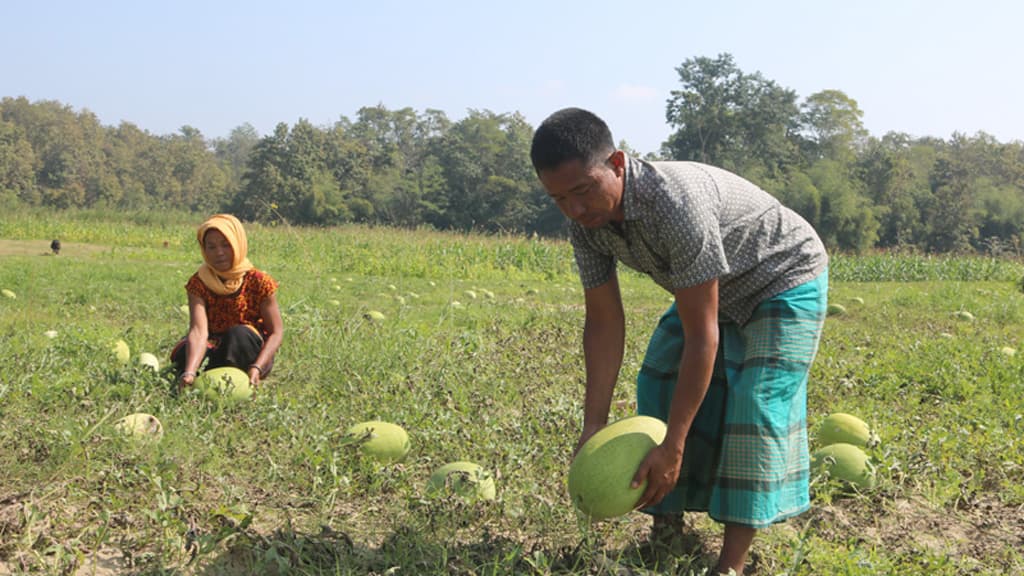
749, 277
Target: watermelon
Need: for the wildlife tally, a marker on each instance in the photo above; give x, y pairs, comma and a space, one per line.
602, 471
141, 426
383, 441
842, 427
844, 462
465, 479
226, 383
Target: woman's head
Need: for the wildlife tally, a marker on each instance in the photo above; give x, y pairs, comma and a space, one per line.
223, 242
217, 250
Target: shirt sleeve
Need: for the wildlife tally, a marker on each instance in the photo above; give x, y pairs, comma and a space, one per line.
686, 219
195, 287
266, 286
595, 268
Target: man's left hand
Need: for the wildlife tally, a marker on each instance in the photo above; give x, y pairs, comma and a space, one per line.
661, 470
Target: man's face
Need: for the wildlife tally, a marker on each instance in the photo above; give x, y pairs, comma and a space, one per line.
591, 196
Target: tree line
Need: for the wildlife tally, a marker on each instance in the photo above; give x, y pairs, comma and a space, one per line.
408, 168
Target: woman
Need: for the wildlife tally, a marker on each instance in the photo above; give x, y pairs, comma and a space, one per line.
234, 319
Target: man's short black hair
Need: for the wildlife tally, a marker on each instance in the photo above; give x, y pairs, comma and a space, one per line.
570, 134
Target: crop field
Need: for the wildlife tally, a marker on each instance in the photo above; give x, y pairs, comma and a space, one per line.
478, 356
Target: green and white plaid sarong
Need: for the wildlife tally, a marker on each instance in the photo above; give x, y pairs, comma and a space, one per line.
746, 458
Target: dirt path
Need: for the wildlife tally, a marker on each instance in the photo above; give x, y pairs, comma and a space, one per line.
42, 248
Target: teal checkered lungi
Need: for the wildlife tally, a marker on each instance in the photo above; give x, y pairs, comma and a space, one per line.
746, 457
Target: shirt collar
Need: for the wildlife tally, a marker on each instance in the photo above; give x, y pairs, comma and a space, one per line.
634, 168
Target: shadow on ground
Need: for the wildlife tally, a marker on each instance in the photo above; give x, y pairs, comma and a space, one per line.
407, 551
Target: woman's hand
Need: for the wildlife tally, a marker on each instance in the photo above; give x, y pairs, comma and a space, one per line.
186, 379
254, 376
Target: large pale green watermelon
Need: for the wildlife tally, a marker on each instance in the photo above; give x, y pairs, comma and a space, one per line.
601, 472
384, 441
467, 479
226, 383
844, 462
841, 427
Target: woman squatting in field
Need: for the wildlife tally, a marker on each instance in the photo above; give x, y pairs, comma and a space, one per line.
234, 319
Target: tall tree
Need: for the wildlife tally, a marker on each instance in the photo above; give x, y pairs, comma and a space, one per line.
266, 179
847, 219
833, 125
738, 121
233, 153
895, 170
17, 175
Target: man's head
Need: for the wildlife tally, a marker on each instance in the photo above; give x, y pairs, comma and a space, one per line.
576, 160
570, 134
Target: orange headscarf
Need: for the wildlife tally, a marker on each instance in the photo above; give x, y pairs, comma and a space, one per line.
227, 281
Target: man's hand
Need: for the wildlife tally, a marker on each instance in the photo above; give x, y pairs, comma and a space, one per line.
661, 470
588, 431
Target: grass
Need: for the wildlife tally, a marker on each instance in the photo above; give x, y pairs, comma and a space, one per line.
272, 486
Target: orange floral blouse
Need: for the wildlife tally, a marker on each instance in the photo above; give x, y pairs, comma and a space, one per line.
242, 307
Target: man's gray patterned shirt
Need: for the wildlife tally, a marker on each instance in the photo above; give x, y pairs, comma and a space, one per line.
687, 223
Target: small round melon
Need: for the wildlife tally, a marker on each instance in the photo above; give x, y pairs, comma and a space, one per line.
844, 462
150, 360
964, 316
603, 469
8, 293
121, 351
835, 310
374, 316
465, 479
1008, 351
383, 441
845, 428
226, 383
141, 426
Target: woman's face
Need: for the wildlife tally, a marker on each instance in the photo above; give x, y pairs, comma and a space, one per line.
218, 250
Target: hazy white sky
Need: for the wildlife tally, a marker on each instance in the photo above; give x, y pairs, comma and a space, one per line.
927, 68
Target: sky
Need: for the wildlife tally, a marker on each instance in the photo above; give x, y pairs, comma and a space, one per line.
925, 68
